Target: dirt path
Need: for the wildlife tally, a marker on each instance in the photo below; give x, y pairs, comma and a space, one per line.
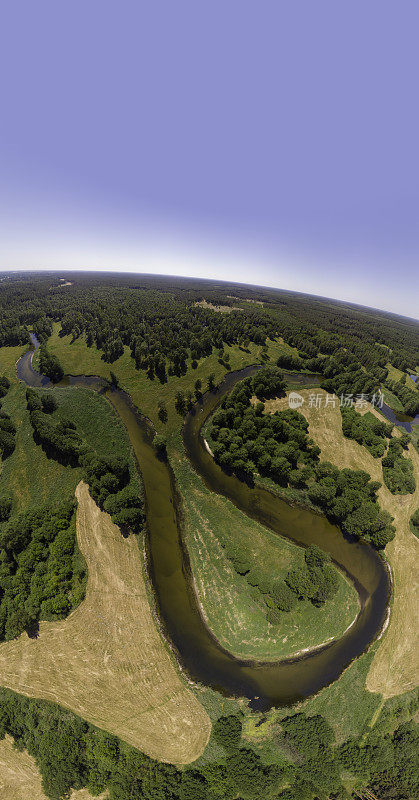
107, 661
395, 667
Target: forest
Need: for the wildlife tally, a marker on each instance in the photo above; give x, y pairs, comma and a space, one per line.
42, 574
70, 753
159, 320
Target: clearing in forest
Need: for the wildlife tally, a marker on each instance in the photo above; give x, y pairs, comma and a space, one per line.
107, 661
394, 668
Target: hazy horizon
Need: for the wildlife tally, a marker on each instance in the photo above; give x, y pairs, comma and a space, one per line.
67, 272
273, 145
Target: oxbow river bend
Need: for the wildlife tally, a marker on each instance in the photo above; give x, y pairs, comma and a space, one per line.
199, 653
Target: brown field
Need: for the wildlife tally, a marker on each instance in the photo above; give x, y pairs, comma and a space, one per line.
220, 309
107, 661
395, 666
20, 778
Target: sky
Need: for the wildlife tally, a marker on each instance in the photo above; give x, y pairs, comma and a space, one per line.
274, 143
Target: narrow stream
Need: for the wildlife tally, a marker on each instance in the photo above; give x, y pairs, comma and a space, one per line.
202, 657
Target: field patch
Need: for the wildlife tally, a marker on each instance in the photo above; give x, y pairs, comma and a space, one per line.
107, 662
394, 668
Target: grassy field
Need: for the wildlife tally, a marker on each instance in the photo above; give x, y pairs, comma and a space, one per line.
107, 662
8, 358
20, 779
76, 358
233, 612
394, 668
28, 474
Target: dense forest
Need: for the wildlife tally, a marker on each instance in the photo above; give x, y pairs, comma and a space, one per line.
159, 320
42, 574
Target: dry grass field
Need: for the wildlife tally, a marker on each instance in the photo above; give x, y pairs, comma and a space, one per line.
107, 662
20, 778
395, 666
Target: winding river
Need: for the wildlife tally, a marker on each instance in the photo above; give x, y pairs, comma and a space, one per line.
199, 653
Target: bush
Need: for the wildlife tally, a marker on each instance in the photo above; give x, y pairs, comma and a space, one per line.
5, 508
415, 522
50, 366
283, 596
227, 731
159, 443
49, 403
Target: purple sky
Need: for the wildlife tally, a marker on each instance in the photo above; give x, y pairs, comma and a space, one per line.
271, 142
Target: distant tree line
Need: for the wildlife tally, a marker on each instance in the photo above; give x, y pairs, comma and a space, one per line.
164, 329
110, 480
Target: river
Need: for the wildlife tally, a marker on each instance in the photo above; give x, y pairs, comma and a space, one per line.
199, 653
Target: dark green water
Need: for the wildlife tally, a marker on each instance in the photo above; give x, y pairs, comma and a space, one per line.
265, 684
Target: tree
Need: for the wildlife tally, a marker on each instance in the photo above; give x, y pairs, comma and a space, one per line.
162, 412
227, 731
160, 444
180, 403
283, 596
49, 403
5, 508
211, 382
198, 387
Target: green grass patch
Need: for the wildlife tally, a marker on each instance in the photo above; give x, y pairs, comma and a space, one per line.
235, 611
8, 358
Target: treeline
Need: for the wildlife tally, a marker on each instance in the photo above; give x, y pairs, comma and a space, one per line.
42, 574
72, 754
159, 321
398, 471
409, 398
110, 481
7, 426
246, 440
366, 429
50, 366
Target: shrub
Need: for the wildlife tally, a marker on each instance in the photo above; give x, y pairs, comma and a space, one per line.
227, 731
